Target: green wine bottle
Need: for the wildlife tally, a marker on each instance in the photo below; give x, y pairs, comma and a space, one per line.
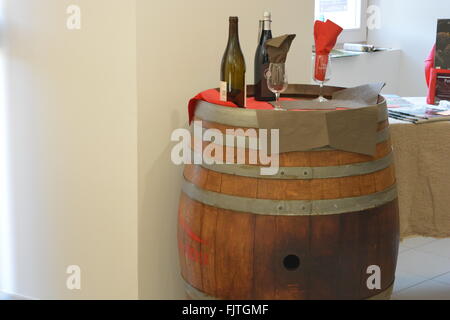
232, 73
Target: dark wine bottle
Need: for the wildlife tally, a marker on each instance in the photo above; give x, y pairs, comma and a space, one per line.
262, 92
232, 73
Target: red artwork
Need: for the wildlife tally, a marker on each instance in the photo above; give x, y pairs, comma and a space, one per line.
439, 86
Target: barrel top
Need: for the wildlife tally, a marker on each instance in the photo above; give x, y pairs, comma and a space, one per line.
248, 117
352, 129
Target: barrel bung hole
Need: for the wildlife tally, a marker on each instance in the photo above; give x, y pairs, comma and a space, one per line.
291, 262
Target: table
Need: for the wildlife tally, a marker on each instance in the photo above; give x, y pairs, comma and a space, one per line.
422, 154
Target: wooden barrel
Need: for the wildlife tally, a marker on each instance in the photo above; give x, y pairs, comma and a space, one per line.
317, 230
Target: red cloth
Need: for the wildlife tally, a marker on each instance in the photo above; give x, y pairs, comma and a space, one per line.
213, 96
325, 36
429, 64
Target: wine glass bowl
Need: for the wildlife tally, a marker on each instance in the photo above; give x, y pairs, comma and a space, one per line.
277, 81
321, 73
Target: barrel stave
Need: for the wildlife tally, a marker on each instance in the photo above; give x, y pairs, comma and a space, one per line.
245, 253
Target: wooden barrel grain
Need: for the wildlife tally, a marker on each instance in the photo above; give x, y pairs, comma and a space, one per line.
312, 232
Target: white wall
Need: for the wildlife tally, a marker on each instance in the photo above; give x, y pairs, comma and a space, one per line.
368, 68
72, 125
410, 25
90, 115
180, 46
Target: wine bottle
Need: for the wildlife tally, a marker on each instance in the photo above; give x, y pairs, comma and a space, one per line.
262, 92
232, 73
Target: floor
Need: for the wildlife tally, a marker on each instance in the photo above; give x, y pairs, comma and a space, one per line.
4, 296
423, 270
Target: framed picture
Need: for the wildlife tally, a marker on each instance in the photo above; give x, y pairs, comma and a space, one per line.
440, 76
442, 56
439, 86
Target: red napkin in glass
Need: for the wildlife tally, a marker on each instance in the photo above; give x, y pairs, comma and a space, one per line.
325, 36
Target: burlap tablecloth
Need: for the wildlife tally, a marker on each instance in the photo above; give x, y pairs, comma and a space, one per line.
422, 154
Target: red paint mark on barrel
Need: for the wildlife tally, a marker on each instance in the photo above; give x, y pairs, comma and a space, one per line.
189, 232
193, 254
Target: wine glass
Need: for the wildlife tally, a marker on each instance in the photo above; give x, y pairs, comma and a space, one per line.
277, 81
321, 73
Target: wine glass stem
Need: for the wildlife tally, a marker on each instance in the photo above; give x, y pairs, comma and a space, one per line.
321, 90
277, 97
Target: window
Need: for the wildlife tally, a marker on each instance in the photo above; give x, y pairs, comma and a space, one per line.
349, 14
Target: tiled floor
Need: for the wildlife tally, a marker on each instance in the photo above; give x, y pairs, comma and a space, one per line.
423, 270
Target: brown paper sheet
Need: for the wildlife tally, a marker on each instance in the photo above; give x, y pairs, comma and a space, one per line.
349, 130
366, 94
352, 98
278, 48
313, 105
353, 130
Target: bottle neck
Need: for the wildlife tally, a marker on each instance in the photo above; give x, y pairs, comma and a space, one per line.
266, 33
267, 25
260, 30
233, 34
